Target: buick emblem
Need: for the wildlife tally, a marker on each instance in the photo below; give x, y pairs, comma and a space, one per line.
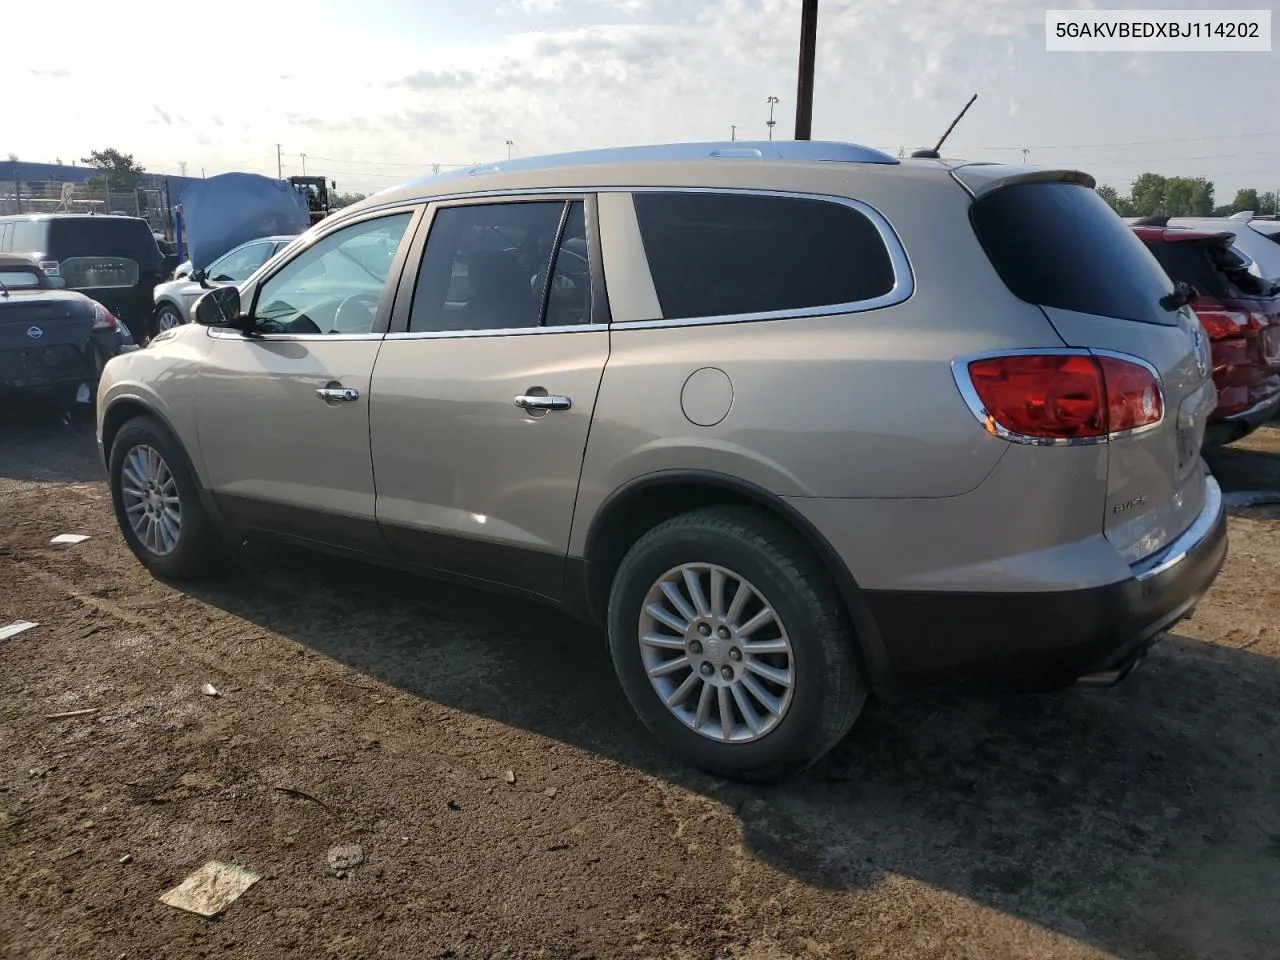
35, 333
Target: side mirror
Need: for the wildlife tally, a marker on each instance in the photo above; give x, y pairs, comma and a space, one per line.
58, 283
220, 307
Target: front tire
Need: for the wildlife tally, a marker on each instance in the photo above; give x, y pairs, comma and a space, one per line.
733, 645
157, 503
166, 318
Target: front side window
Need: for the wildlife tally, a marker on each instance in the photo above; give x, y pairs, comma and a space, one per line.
239, 264
336, 285
486, 267
725, 254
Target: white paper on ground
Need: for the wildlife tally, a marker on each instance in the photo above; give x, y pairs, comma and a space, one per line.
15, 628
82, 394
211, 889
70, 538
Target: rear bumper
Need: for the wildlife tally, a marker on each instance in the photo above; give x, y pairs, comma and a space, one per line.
1050, 638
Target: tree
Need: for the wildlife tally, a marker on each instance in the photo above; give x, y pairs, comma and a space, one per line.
1121, 205
118, 170
339, 200
1267, 203
1246, 200
1148, 195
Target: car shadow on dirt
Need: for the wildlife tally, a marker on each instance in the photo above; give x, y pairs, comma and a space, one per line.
1144, 819
43, 442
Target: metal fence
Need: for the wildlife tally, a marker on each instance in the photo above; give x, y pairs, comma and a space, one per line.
65, 197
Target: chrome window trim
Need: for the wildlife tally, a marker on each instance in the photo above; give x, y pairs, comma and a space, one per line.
497, 332
226, 333
960, 374
899, 259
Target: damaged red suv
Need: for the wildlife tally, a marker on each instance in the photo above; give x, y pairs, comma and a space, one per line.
1241, 314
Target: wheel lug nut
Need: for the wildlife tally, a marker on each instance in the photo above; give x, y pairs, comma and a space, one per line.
723, 633
704, 630
695, 647
735, 654
708, 669
726, 672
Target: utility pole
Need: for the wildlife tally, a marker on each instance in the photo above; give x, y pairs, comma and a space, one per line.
804, 84
182, 167
279, 165
304, 164
773, 102
733, 131
1025, 151
510, 144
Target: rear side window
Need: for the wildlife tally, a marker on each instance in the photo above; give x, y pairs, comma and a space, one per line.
726, 254
114, 237
29, 236
1060, 245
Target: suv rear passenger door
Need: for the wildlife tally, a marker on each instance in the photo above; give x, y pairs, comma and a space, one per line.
484, 389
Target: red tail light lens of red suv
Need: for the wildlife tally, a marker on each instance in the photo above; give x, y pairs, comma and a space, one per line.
1063, 397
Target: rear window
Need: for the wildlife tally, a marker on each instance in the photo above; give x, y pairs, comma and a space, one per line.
1188, 261
722, 254
19, 279
104, 237
1060, 245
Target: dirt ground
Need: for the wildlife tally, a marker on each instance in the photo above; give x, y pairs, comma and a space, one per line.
1137, 822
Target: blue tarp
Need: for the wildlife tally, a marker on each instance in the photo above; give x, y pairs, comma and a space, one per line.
232, 208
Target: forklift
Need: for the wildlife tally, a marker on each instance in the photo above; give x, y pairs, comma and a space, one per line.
315, 190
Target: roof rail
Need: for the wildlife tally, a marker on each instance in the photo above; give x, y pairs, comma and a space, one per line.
1245, 215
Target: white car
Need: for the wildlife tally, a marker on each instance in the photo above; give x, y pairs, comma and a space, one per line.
1262, 254
175, 298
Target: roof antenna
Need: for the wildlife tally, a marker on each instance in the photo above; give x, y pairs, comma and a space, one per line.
933, 154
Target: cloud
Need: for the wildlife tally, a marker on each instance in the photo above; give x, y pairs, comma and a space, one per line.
58, 74
162, 115
438, 80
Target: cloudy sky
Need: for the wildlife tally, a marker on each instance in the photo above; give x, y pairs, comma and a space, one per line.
375, 91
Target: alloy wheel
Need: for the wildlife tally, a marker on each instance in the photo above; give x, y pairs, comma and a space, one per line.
717, 653
149, 493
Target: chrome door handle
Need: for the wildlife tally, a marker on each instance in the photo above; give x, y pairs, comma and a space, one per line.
330, 394
543, 403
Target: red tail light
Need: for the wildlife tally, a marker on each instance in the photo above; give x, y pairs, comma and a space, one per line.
1223, 324
1064, 396
103, 319
50, 267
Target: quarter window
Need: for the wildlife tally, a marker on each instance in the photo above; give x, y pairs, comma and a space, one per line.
723, 254
336, 285
486, 267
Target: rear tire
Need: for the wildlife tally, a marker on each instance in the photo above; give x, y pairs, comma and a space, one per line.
157, 503
808, 642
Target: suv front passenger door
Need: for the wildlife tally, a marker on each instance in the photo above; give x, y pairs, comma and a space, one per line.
282, 410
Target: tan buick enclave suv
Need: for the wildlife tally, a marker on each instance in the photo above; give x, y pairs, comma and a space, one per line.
794, 422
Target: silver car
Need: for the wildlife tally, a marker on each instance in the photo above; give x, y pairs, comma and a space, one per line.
793, 422
175, 298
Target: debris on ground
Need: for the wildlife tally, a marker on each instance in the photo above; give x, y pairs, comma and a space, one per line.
83, 393
454, 805
1251, 498
209, 690
127, 858
303, 795
15, 628
550, 791
71, 713
344, 856
211, 889
509, 776
69, 539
